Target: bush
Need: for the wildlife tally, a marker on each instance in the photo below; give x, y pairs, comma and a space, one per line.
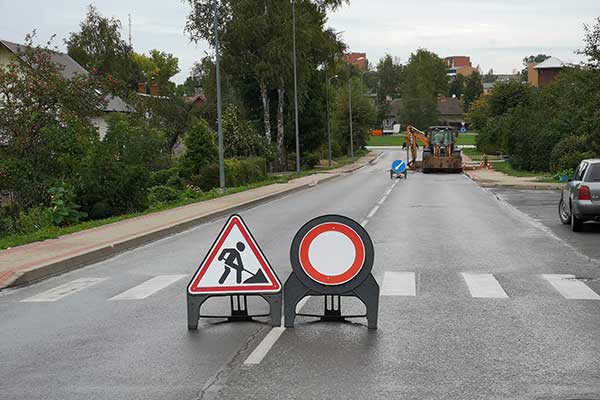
117, 172
238, 172
64, 210
162, 194
568, 153
201, 148
309, 160
26, 222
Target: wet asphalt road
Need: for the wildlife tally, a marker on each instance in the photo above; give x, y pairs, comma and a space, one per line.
440, 343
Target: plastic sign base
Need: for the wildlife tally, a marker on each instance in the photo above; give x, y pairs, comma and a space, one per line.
367, 292
239, 308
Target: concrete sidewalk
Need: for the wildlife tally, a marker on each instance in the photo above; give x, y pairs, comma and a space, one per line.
491, 178
35, 261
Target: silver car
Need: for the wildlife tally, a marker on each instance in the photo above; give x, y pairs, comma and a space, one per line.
580, 199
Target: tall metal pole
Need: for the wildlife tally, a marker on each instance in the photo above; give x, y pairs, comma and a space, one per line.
350, 112
296, 87
219, 101
328, 120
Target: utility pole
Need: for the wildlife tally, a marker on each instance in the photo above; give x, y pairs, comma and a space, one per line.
296, 87
219, 101
328, 117
350, 112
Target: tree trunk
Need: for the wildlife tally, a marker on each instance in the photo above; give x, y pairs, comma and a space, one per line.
264, 94
281, 153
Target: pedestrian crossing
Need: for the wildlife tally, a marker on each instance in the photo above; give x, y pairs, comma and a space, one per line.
393, 284
148, 288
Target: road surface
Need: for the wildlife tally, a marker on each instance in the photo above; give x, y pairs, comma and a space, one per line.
474, 304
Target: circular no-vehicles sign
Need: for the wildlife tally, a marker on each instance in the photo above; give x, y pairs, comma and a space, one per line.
330, 252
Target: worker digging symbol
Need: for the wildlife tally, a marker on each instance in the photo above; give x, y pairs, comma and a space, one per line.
233, 259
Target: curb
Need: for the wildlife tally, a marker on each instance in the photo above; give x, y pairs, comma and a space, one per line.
527, 186
26, 277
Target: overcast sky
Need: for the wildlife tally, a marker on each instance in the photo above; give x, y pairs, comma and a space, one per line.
495, 33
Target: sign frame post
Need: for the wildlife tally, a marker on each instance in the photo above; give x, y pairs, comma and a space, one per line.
357, 281
203, 286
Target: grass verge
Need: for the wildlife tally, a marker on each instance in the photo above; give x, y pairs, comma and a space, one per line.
53, 232
507, 168
398, 140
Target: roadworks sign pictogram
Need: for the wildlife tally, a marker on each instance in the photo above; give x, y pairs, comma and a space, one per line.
234, 265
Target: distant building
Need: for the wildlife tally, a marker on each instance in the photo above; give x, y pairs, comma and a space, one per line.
487, 86
546, 72
13, 52
460, 65
359, 60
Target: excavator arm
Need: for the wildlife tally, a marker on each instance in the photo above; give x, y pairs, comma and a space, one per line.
412, 136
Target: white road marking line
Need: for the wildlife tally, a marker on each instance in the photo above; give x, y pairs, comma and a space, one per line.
269, 341
571, 288
63, 290
388, 192
395, 183
383, 199
373, 211
263, 347
364, 222
399, 284
148, 287
484, 286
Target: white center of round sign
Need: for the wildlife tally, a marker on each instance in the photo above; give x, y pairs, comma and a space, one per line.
331, 253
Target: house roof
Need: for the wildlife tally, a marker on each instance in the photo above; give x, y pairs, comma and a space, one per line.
450, 106
70, 68
551, 63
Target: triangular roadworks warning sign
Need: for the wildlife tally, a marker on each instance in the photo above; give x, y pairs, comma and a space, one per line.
234, 265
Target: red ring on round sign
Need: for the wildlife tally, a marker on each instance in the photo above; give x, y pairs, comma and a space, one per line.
350, 273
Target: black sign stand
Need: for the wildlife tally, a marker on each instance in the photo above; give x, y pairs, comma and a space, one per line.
238, 300
300, 284
239, 308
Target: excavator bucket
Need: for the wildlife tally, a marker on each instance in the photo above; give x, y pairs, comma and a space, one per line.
433, 163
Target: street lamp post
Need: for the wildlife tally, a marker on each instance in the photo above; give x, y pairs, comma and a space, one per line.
296, 87
219, 101
328, 119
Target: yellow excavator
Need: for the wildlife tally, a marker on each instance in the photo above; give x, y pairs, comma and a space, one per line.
440, 153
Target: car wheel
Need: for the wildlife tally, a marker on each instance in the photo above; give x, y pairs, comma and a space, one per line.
563, 213
576, 223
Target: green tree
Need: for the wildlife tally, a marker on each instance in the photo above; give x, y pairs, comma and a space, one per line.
457, 86
44, 124
98, 47
240, 139
389, 78
117, 171
424, 79
256, 45
592, 44
473, 89
201, 148
363, 117
159, 67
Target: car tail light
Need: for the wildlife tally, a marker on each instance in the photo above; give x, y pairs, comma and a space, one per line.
584, 193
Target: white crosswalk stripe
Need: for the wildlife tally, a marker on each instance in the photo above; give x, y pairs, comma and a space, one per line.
399, 284
571, 288
484, 286
148, 287
63, 290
